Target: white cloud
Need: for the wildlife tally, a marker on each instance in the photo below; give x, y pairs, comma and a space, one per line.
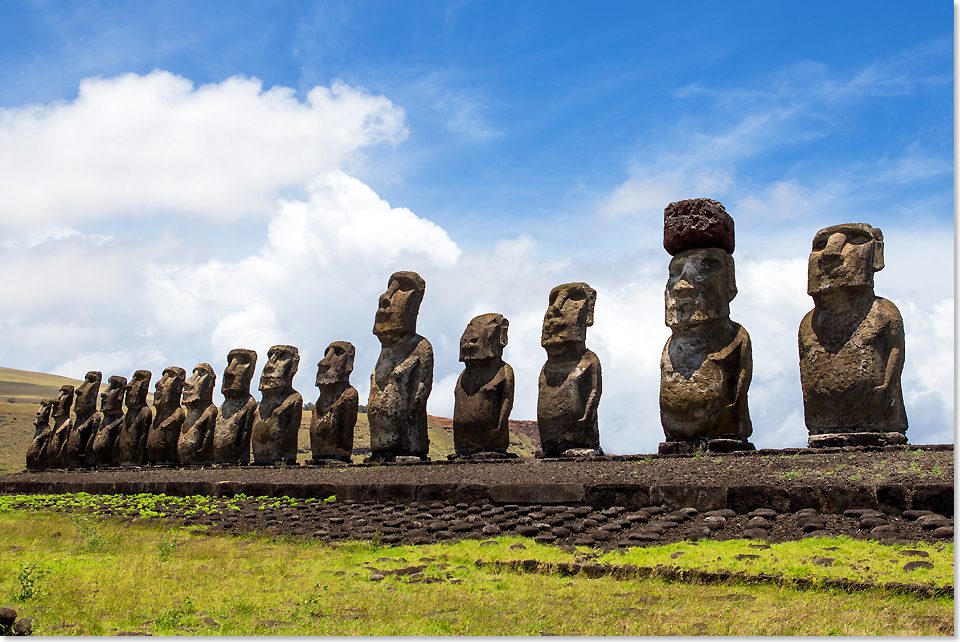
139, 146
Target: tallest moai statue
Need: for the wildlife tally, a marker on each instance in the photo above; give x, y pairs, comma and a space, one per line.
707, 362
851, 344
403, 377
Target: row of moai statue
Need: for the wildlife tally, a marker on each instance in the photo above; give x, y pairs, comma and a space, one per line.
851, 356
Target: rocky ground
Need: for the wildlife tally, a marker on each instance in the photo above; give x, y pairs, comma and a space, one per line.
612, 527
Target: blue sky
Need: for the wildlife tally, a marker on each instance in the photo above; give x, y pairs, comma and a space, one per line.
499, 148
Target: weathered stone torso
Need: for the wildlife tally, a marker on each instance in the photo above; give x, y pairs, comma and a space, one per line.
843, 377
479, 423
333, 420
703, 387
566, 414
275, 426
397, 407
231, 437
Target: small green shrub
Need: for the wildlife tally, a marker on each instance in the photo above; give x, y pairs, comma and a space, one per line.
30, 579
89, 531
178, 617
165, 549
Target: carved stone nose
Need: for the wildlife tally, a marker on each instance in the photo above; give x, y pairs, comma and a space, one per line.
682, 289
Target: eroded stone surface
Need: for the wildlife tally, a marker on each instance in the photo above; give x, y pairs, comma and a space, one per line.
100, 449
403, 377
36, 453
335, 413
707, 363
195, 445
851, 344
570, 381
168, 419
483, 397
86, 422
131, 445
697, 223
275, 426
231, 438
62, 423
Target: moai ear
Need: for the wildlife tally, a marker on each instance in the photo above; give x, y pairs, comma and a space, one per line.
877, 249
504, 326
731, 278
590, 304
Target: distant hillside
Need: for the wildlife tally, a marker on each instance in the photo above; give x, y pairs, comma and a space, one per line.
22, 386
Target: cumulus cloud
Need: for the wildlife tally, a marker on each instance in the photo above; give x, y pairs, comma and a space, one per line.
138, 146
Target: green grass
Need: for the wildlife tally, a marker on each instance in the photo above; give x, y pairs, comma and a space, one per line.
157, 578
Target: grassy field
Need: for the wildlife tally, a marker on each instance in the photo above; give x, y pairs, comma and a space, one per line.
77, 575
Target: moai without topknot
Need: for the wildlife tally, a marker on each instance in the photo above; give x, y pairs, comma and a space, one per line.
707, 362
195, 445
130, 448
335, 413
851, 344
37, 452
86, 423
274, 438
62, 423
100, 448
483, 397
403, 377
167, 419
231, 437
570, 381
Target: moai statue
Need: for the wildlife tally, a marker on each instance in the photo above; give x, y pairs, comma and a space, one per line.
707, 362
130, 448
196, 439
570, 382
231, 438
274, 437
86, 423
403, 377
37, 452
62, 423
335, 413
100, 447
851, 344
168, 418
483, 397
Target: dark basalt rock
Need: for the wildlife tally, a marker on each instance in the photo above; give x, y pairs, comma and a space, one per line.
697, 223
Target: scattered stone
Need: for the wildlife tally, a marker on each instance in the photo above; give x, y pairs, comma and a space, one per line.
8, 617
871, 522
714, 522
759, 522
545, 538
943, 532
767, 513
209, 621
914, 565
915, 514
601, 535
856, 512
644, 536
756, 533
746, 556
24, 626
726, 513
913, 553
677, 554
823, 561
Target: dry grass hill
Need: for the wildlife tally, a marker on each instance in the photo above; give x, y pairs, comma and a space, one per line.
21, 392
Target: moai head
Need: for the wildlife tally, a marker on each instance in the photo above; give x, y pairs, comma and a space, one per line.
136, 395
199, 387
699, 234
844, 257
399, 305
241, 366
700, 287
169, 387
86, 400
42, 420
569, 314
337, 363
484, 338
64, 401
277, 376
111, 400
